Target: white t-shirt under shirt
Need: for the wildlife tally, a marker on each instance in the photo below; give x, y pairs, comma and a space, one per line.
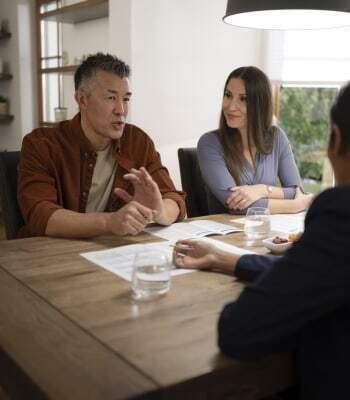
102, 180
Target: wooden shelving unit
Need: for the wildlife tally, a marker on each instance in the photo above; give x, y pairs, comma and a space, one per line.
86, 10
6, 118
80, 12
48, 124
5, 35
5, 77
62, 70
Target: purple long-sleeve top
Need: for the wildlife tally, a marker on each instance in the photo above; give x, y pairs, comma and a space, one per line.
280, 163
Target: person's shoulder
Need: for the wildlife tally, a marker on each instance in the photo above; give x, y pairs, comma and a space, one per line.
209, 138
132, 131
43, 134
280, 134
332, 201
135, 139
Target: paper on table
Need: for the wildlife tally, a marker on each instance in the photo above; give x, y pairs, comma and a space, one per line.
283, 222
119, 260
192, 230
230, 248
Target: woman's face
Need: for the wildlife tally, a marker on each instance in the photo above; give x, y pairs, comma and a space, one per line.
234, 104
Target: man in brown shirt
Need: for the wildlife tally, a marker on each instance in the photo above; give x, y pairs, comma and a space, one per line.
95, 174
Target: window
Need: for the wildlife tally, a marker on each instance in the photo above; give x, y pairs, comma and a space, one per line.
308, 67
304, 116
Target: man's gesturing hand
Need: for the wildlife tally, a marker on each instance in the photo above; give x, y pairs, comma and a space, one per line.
146, 191
130, 219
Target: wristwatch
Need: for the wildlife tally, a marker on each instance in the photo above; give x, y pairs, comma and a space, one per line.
269, 190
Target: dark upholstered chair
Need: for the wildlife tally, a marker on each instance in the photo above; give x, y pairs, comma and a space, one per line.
192, 183
8, 193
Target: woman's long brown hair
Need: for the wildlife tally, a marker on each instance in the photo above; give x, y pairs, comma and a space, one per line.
261, 133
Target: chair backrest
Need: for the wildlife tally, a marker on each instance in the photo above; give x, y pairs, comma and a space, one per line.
8, 193
192, 182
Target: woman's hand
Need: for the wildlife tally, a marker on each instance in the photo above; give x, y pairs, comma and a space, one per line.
304, 199
243, 196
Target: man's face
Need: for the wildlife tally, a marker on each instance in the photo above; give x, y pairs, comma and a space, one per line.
104, 106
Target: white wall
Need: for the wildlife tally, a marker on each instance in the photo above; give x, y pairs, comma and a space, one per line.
18, 54
181, 53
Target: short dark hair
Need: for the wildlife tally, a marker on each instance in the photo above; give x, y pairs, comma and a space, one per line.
340, 116
99, 61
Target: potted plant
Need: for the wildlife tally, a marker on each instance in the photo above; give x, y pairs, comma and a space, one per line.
4, 106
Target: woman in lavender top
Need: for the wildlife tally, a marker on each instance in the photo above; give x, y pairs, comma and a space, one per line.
240, 162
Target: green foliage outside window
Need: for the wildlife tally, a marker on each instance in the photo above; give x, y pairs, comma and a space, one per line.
304, 116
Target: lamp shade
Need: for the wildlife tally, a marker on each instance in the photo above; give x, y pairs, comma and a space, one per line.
288, 14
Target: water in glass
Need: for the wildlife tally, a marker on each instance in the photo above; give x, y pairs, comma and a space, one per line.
151, 274
257, 223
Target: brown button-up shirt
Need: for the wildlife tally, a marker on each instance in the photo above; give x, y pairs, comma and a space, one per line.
56, 168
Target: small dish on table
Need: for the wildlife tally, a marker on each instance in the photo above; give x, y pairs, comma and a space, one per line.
277, 244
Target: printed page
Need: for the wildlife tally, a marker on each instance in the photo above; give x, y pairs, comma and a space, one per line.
216, 228
120, 260
191, 230
285, 223
230, 248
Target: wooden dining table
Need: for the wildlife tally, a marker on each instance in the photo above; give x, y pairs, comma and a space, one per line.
70, 329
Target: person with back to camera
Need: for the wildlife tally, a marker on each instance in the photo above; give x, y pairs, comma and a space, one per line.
95, 174
241, 161
300, 301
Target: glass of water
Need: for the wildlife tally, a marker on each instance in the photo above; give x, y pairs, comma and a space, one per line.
257, 223
151, 274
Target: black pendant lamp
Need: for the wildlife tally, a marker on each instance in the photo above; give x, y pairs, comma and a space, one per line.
290, 14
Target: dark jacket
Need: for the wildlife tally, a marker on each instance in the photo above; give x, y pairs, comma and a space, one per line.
301, 302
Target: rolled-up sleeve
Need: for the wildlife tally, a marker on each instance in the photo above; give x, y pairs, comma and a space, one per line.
166, 186
288, 172
36, 190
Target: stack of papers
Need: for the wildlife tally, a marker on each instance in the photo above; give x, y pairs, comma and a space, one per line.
191, 230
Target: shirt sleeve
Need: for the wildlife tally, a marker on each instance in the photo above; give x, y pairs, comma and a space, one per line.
36, 192
288, 172
250, 266
300, 288
161, 176
213, 167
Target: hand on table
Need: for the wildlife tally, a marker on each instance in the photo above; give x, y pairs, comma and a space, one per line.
243, 196
194, 254
305, 199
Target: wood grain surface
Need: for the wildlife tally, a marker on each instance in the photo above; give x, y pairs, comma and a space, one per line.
76, 332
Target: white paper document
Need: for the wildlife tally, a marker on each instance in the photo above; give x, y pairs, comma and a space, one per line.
120, 260
191, 230
285, 223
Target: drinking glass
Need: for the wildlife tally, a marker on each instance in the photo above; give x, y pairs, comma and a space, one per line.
151, 274
257, 223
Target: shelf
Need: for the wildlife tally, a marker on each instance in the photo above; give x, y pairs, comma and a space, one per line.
47, 124
5, 77
6, 118
64, 70
5, 35
79, 12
